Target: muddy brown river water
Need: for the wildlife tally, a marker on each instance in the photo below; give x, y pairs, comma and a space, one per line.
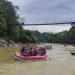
58, 62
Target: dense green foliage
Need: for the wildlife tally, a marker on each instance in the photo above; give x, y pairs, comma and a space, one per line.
12, 29
8, 18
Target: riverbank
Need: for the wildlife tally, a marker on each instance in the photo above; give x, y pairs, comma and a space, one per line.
10, 43
6, 43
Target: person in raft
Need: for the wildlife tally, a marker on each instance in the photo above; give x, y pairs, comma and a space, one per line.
36, 51
43, 51
39, 51
23, 49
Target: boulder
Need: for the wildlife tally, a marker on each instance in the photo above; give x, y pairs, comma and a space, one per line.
11, 43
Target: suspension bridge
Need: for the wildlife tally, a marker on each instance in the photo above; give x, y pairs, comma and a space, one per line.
62, 23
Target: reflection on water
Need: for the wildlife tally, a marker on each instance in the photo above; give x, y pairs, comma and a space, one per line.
58, 62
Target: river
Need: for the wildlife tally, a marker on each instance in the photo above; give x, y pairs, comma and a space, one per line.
58, 62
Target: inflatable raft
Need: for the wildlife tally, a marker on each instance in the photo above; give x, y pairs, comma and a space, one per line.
19, 55
73, 53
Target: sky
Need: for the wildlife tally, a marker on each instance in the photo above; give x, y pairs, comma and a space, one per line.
46, 11
49, 28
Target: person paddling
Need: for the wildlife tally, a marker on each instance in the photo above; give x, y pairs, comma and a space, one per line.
23, 49
42, 51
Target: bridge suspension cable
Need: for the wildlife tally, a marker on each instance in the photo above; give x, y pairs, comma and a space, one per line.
72, 24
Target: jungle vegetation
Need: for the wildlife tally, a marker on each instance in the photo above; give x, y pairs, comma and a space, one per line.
11, 28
